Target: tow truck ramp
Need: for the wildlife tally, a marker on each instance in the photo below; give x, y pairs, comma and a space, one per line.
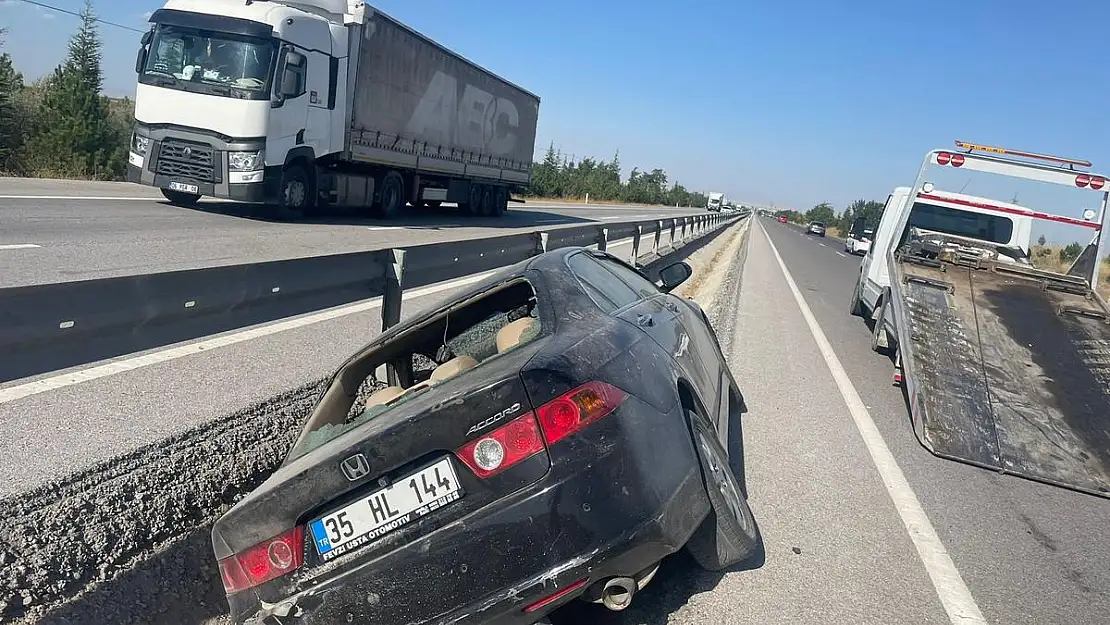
1007, 367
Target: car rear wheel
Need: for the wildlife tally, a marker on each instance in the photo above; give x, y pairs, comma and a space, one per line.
729, 535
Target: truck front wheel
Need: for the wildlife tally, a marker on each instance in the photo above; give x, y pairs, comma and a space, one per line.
295, 196
177, 198
392, 196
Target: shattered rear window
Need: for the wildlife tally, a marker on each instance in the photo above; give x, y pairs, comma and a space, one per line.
440, 340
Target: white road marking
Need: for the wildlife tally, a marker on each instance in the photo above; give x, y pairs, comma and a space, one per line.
107, 198
953, 592
94, 372
19, 246
842, 254
385, 228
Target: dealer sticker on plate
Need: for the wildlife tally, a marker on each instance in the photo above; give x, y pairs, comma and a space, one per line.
385, 510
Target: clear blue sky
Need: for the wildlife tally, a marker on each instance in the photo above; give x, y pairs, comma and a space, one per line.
794, 102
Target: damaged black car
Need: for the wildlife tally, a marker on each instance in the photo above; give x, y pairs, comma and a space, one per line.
551, 434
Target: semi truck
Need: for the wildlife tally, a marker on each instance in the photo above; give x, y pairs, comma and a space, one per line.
1004, 365
301, 104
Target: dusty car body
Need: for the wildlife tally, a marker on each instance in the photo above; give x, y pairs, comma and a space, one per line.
552, 433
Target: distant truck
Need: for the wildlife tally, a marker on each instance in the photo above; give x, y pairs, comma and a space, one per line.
307, 103
715, 201
1003, 364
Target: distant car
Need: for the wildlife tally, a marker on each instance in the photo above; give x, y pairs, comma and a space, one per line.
782, 219
817, 228
551, 433
859, 242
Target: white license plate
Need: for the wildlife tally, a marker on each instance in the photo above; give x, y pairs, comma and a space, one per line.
385, 510
181, 186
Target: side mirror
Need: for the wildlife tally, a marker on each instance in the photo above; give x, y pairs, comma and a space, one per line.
140, 60
674, 275
148, 36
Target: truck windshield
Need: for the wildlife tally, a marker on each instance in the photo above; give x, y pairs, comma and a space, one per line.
961, 223
209, 62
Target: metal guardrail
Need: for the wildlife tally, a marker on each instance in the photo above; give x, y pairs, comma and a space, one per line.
52, 326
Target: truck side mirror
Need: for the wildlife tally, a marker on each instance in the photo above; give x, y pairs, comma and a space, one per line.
140, 60
148, 36
291, 73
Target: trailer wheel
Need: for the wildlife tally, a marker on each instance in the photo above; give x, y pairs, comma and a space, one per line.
473, 205
177, 198
392, 196
501, 202
488, 202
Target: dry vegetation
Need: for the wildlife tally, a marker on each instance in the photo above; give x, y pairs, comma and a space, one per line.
1049, 258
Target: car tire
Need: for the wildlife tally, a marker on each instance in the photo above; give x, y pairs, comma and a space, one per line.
473, 205
729, 535
178, 198
855, 305
879, 327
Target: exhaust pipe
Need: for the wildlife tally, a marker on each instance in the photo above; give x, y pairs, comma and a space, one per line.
617, 593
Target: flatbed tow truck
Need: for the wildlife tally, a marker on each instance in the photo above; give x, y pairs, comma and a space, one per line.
1005, 366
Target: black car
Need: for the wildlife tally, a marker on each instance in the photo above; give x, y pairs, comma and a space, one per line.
553, 433
817, 228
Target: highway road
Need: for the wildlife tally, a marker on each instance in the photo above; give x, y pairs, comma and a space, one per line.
862, 524
55, 231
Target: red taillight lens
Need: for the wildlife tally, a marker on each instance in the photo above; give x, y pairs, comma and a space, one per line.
577, 409
263, 562
502, 448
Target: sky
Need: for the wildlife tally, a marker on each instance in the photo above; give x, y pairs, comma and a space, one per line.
778, 102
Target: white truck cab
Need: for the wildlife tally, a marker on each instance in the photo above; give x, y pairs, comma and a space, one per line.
958, 216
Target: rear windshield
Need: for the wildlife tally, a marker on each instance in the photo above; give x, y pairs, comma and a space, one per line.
817, 223
961, 223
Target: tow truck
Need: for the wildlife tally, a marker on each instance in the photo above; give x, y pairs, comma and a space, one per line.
1004, 366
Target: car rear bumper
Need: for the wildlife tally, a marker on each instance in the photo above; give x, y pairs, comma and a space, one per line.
615, 507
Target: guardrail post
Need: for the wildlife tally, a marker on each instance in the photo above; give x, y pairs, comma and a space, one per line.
602, 239
636, 244
391, 302
541, 242
674, 229
658, 234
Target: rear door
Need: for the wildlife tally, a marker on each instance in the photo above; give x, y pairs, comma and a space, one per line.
641, 307
692, 346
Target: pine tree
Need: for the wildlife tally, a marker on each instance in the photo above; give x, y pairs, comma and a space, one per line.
11, 82
77, 138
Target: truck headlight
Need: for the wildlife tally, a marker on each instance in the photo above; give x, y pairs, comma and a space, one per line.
139, 144
245, 161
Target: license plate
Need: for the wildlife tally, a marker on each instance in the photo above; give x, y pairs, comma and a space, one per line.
385, 510
181, 186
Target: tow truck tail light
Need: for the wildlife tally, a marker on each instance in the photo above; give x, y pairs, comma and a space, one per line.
263, 562
577, 409
500, 449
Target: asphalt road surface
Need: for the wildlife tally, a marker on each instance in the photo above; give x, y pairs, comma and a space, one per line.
862, 524
55, 231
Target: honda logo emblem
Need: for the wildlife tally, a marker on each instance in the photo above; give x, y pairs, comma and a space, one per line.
355, 468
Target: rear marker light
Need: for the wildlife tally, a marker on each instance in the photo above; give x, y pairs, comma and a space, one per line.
555, 596
577, 409
263, 562
500, 449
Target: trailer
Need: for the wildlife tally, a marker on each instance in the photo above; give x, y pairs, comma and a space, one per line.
302, 104
1004, 366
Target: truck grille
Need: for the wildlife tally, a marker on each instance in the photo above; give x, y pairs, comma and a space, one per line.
187, 160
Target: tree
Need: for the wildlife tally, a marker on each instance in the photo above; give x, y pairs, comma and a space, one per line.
11, 83
1041, 241
77, 137
823, 212
1070, 252
558, 175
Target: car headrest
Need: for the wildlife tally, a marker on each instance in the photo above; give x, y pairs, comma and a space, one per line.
383, 396
453, 367
517, 332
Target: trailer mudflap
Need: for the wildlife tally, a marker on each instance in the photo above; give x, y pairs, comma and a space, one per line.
1010, 371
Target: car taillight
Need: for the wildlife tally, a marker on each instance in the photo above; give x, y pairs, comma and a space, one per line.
263, 562
509, 444
577, 409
